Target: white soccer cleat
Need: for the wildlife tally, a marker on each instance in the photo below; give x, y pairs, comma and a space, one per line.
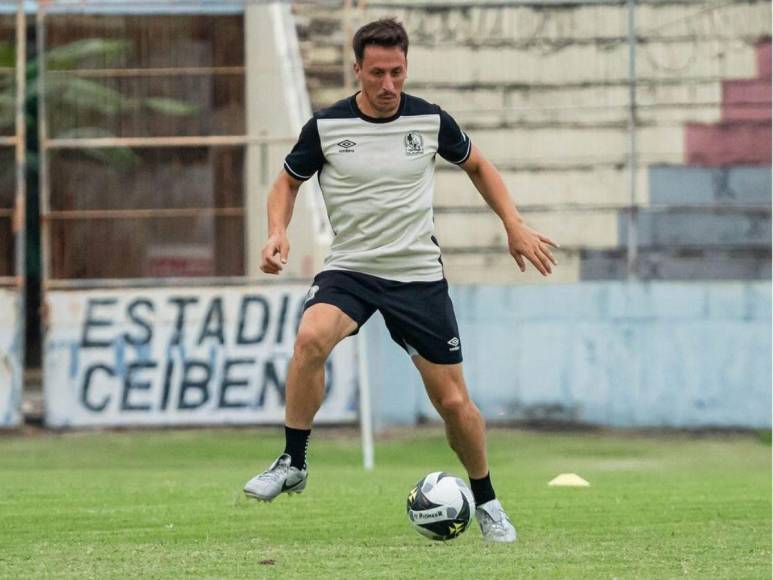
281, 477
495, 525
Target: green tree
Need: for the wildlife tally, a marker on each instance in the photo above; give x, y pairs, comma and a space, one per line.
77, 93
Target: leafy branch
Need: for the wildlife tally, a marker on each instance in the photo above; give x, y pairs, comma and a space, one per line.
71, 93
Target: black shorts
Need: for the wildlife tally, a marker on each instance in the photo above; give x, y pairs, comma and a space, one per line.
419, 315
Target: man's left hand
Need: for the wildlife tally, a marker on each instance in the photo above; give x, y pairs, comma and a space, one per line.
527, 243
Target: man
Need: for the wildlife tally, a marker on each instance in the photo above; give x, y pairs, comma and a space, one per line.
374, 153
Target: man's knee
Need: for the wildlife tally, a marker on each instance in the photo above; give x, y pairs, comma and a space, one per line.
456, 407
311, 345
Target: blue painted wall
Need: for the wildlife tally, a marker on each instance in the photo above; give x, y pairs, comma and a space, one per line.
607, 353
705, 223
708, 186
675, 228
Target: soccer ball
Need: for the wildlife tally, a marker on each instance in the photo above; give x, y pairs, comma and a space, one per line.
440, 506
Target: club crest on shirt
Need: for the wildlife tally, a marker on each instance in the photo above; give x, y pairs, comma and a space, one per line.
414, 143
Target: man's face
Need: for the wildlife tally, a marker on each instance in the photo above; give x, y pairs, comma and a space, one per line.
381, 73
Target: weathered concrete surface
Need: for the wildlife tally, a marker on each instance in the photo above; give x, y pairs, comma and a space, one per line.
576, 63
11, 363
500, 268
674, 228
686, 355
744, 134
542, 91
485, 230
557, 147
590, 187
731, 143
717, 229
746, 100
546, 25
710, 186
668, 264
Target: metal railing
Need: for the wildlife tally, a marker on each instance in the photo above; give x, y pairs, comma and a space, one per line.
16, 214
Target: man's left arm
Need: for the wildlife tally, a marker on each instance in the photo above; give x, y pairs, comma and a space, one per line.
523, 242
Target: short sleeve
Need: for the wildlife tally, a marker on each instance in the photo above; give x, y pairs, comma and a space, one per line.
306, 157
453, 144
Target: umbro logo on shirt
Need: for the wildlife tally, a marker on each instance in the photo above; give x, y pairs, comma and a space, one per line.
347, 146
454, 343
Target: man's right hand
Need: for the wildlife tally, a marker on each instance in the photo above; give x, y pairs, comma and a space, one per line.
274, 255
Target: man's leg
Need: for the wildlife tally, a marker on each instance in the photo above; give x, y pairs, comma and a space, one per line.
466, 432
322, 327
465, 427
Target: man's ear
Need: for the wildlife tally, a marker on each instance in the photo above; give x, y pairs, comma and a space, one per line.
356, 68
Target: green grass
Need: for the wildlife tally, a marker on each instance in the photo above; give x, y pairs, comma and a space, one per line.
168, 504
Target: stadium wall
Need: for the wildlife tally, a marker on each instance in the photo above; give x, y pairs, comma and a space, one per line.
181, 356
664, 355
11, 363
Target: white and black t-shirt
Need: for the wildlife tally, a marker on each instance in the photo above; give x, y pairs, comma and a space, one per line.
377, 176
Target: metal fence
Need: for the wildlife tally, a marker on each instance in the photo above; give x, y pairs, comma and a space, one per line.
12, 147
142, 176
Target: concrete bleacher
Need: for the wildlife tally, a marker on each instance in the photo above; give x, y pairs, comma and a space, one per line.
710, 186
677, 264
694, 228
743, 134
705, 206
710, 217
703, 223
542, 90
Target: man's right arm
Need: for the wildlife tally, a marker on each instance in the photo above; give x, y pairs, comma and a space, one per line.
301, 163
281, 201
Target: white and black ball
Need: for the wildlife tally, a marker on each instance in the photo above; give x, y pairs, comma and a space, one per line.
440, 506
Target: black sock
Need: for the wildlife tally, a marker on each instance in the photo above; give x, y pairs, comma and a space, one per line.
482, 490
296, 445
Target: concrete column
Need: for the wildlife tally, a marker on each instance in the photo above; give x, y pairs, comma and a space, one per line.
277, 107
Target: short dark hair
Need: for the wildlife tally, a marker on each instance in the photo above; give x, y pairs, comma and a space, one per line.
383, 32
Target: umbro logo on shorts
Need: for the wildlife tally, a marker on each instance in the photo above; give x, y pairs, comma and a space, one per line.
311, 293
347, 146
454, 343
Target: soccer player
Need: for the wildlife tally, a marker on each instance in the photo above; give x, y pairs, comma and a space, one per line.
374, 156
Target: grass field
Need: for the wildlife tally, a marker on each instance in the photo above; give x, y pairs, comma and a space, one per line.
169, 504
